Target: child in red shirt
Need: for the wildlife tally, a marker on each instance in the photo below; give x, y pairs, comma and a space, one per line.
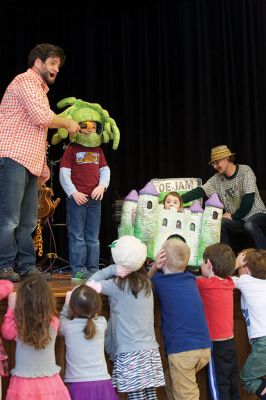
216, 289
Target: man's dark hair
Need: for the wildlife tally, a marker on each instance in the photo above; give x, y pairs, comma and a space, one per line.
44, 51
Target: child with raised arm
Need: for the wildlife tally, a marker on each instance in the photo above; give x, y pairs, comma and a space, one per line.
84, 329
252, 285
6, 287
131, 341
216, 289
173, 199
31, 321
184, 326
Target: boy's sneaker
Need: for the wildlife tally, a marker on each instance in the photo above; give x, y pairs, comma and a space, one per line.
82, 274
9, 274
36, 270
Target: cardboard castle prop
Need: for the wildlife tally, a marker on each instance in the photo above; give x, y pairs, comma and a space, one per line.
143, 217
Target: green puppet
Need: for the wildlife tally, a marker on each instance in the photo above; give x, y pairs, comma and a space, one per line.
82, 112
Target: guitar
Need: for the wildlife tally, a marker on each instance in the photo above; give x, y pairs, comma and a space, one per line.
46, 206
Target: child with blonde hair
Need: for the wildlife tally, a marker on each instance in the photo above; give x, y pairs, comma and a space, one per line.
252, 285
131, 341
184, 326
31, 321
84, 329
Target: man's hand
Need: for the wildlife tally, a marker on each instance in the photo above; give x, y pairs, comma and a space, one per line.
227, 215
72, 127
45, 175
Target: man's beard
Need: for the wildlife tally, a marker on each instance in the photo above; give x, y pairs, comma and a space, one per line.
47, 77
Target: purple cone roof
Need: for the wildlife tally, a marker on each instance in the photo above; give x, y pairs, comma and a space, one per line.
149, 189
214, 201
132, 196
196, 207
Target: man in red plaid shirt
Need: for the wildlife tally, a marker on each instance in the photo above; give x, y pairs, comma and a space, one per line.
25, 117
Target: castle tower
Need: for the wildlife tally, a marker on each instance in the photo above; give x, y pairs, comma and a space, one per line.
185, 224
211, 224
146, 215
169, 223
193, 231
128, 214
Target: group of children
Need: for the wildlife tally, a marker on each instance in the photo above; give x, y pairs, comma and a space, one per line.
196, 323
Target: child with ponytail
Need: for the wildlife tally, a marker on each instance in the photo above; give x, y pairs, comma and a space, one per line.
84, 330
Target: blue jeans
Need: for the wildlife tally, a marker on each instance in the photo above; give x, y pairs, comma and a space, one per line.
254, 368
255, 225
83, 224
18, 215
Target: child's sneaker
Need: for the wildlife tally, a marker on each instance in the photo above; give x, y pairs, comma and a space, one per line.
81, 275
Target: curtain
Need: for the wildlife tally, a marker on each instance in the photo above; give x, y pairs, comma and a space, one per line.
178, 76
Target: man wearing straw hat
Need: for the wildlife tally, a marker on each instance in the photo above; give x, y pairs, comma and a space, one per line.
236, 187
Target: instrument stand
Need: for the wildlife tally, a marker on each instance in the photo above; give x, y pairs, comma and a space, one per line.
51, 258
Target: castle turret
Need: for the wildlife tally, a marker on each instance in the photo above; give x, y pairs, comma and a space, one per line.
211, 224
128, 214
146, 215
169, 223
194, 231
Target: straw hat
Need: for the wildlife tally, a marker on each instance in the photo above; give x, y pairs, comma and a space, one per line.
219, 153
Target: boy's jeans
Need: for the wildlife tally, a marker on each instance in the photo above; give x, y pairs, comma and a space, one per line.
83, 224
255, 366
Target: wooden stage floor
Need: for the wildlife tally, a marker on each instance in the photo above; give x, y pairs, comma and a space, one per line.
60, 284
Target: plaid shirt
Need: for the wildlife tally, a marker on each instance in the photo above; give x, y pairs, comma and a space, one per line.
25, 115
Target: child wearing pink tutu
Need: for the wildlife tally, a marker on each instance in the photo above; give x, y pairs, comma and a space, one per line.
84, 329
31, 321
6, 287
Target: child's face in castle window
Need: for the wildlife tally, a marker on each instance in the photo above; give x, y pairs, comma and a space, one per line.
172, 201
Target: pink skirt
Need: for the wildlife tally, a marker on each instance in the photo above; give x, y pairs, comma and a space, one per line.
46, 388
